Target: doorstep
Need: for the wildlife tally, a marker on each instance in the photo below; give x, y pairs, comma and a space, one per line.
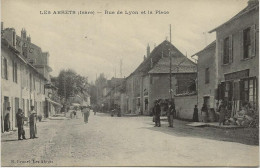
213, 124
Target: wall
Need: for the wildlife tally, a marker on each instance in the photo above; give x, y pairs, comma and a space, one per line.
184, 106
234, 28
9, 88
206, 59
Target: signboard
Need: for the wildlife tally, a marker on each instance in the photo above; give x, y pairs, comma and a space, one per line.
237, 75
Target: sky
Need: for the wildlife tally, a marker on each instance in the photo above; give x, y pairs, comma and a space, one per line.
94, 44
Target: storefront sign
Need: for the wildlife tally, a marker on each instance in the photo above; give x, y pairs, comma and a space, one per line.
237, 75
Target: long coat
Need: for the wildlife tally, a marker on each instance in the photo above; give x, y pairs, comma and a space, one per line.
7, 122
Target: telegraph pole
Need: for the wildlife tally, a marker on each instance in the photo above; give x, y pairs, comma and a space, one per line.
170, 64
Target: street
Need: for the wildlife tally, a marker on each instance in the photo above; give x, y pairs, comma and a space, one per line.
125, 141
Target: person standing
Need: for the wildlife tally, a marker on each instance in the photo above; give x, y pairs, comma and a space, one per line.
85, 111
32, 121
7, 119
222, 113
170, 113
157, 114
204, 112
20, 123
196, 114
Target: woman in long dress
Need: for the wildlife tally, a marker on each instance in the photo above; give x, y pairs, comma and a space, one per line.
85, 111
222, 113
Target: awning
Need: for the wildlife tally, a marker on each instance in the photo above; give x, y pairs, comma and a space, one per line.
53, 102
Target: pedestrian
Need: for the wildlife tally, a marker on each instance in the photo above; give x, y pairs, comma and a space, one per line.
32, 121
157, 114
170, 113
196, 114
153, 112
75, 114
85, 111
222, 113
7, 119
204, 112
20, 123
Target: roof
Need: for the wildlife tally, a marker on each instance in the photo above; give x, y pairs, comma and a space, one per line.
18, 55
213, 44
241, 13
156, 55
179, 65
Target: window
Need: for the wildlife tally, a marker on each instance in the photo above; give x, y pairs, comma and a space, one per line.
4, 68
247, 43
226, 54
14, 71
207, 75
249, 91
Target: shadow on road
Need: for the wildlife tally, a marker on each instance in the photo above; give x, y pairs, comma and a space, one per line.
10, 140
242, 135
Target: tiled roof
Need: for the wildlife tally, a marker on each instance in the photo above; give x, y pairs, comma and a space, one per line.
179, 65
156, 55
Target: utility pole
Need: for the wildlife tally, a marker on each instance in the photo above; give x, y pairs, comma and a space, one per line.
170, 74
170, 64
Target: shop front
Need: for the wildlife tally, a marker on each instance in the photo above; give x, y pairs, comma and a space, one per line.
239, 90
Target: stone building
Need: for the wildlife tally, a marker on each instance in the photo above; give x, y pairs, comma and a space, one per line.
237, 58
228, 68
150, 81
207, 76
23, 84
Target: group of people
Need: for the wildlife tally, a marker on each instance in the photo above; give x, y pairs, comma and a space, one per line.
20, 118
170, 111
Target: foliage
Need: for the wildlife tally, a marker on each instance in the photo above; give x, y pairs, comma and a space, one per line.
69, 83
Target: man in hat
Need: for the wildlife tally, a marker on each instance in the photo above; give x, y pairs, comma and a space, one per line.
32, 121
7, 119
20, 122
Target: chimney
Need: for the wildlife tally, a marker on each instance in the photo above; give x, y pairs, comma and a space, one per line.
151, 63
23, 34
14, 37
148, 51
252, 3
144, 57
2, 26
29, 39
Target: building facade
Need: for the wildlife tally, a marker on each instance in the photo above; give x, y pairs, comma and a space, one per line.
237, 57
207, 77
23, 84
150, 81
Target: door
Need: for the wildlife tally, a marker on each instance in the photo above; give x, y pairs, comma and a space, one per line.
16, 107
6, 103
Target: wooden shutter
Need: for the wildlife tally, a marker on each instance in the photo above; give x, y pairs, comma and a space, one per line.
230, 48
241, 44
2, 68
253, 40
221, 50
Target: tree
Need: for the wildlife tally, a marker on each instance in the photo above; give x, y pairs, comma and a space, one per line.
69, 83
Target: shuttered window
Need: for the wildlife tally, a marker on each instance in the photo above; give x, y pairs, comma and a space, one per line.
207, 75
248, 42
226, 50
4, 68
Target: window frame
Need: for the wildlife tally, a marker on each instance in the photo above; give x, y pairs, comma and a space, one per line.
207, 75
226, 53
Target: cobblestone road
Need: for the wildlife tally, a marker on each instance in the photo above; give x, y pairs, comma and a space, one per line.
123, 141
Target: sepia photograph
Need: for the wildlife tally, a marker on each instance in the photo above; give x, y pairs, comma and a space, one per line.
101, 83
